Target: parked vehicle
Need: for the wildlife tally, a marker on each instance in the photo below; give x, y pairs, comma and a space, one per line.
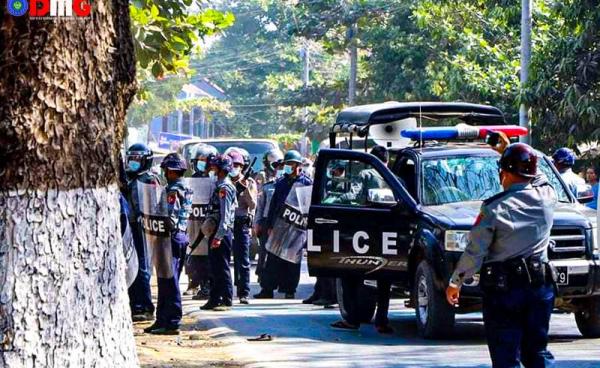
414, 229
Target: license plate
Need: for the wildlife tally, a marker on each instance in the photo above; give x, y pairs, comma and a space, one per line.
562, 276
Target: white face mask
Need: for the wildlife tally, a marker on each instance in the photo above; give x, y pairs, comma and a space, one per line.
212, 175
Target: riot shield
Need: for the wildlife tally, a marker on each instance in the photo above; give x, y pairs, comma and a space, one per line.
131, 257
157, 238
288, 237
203, 189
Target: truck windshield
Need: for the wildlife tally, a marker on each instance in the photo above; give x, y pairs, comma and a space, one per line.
470, 178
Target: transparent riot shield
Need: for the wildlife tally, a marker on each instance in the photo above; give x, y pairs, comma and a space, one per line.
203, 189
288, 237
131, 257
157, 238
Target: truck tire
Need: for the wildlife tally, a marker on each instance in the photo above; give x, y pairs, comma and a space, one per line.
435, 317
588, 319
363, 303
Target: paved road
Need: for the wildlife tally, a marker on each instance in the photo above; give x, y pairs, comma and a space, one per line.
302, 337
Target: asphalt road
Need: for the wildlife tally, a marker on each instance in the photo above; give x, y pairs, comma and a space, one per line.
302, 337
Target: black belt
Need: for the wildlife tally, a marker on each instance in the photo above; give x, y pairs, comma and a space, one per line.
516, 272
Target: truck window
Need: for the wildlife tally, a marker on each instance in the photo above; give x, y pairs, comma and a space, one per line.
354, 183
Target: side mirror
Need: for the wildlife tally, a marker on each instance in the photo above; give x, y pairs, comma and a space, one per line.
584, 193
383, 197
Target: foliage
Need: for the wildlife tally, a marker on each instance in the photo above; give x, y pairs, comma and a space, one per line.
565, 76
167, 31
286, 141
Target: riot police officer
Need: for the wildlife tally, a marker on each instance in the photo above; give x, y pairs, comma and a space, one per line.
509, 244
273, 164
197, 267
564, 160
222, 212
138, 163
244, 214
367, 179
279, 272
179, 207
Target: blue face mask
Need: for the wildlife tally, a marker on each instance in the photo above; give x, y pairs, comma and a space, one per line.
235, 172
212, 175
279, 173
201, 166
287, 169
134, 165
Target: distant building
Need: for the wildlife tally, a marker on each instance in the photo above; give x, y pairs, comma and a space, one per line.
179, 125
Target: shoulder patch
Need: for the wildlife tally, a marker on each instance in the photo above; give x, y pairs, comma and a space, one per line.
172, 197
223, 192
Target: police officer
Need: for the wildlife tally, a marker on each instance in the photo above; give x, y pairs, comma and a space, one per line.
279, 272
222, 211
509, 244
564, 160
367, 179
273, 164
242, 229
198, 266
179, 208
138, 163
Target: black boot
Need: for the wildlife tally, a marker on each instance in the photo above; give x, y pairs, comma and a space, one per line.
264, 295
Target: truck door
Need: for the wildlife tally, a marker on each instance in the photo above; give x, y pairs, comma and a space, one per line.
360, 219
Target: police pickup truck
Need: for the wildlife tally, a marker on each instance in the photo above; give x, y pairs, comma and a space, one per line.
412, 226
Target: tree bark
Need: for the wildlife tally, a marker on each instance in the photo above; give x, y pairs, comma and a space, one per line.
64, 89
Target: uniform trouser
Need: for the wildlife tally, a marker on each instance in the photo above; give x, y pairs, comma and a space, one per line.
351, 286
325, 289
222, 289
262, 251
516, 325
241, 257
280, 273
140, 296
198, 270
168, 309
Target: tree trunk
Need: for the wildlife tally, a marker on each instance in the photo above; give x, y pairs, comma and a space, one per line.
64, 89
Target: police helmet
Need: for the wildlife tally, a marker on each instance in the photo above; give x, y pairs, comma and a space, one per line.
242, 151
223, 162
520, 159
202, 152
236, 157
173, 161
381, 153
293, 156
564, 156
272, 156
142, 155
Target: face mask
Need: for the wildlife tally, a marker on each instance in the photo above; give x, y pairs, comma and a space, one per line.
134, 165
279, 173
234, 172
287, 169
201, 166
212, 175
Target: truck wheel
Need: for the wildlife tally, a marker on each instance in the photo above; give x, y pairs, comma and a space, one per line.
435, 317
588, 319
362, 300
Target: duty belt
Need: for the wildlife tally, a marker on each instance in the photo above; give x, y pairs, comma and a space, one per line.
516, 272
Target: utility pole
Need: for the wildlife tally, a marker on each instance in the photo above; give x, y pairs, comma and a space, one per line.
352, 31
525, 61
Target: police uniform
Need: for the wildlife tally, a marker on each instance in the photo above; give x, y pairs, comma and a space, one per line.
242, 233
280, 273
222, 209
260, 219
573, 181
509, 244
140, 296
179, 206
